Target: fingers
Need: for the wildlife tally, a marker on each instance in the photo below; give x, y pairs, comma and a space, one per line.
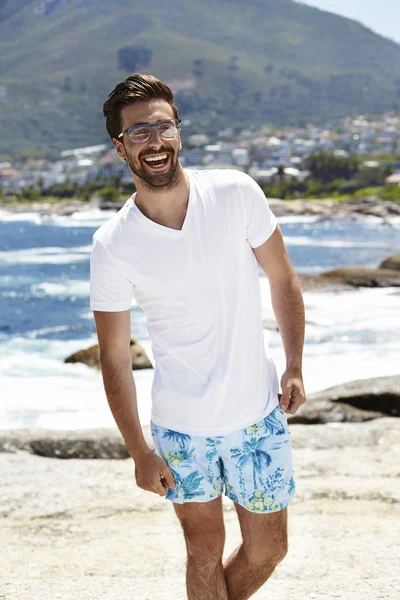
293, 406
285, 401
162, 486
169, 478
160, 489
291, 399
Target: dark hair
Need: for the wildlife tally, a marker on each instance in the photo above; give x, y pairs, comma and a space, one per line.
135, 88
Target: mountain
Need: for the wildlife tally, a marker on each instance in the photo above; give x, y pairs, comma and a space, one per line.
230, 64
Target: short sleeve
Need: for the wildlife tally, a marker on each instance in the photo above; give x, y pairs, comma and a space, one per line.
109, 289
259, 219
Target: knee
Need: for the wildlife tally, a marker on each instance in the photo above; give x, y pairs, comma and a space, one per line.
267, 557
205, 550
281, 553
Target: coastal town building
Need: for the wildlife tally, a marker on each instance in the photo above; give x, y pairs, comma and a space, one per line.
260, 152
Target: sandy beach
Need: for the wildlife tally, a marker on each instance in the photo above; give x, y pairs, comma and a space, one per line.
81, 529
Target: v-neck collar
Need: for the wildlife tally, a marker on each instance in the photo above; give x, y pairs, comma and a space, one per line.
163, 228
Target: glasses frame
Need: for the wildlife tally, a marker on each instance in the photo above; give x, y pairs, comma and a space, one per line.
133, 127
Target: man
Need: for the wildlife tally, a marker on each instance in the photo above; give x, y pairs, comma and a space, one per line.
186, 246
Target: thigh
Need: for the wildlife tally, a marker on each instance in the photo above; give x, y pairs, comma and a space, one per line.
258, 466
194, 463
264, 535
203, 527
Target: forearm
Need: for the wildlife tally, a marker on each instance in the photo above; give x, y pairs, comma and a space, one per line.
288, 307
120, 389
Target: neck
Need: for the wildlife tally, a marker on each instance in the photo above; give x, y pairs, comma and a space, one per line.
162, 202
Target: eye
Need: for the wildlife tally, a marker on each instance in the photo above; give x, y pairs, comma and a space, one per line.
139, 132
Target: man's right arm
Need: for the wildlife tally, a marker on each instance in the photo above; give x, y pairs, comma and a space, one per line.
114, 334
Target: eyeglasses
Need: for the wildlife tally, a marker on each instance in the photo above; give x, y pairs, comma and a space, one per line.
167, 128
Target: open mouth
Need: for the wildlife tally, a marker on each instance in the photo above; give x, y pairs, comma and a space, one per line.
156, 161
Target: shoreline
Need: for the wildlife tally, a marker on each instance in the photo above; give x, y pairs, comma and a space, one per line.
325, 208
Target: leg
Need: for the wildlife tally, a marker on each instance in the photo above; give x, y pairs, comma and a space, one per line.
204, 531
265, 493
264, 546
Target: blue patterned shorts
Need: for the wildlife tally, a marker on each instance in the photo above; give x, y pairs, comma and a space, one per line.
252, 466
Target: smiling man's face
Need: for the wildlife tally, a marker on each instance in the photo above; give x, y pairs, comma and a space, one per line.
157, 177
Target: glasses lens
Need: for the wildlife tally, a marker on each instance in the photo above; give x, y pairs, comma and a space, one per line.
168, 129
138, 135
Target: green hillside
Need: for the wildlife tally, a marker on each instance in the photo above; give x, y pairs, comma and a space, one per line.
230, 64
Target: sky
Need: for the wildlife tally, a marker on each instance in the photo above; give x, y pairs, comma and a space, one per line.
382, 16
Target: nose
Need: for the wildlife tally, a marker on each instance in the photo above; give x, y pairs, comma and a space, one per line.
154, 135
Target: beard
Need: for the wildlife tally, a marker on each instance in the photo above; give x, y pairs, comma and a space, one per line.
167, 179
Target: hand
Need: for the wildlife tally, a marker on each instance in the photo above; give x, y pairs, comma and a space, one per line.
153, 474
293, 395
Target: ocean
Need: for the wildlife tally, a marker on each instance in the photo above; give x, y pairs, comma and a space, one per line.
45, 315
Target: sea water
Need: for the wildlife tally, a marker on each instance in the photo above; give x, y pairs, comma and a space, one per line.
45, 315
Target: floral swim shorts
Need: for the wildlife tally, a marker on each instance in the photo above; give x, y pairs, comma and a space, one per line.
252, 466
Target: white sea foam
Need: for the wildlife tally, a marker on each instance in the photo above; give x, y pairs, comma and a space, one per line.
34, 333
88, 218
51, 255
297, 218
67, 289
315, 270
40, 390
307, 241
32, 217
92, 217
349, 335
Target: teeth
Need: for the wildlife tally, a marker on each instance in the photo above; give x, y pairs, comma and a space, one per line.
159, 157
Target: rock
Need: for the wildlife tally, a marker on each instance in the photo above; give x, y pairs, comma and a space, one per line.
355, 401
317, 283
90, 357
364, 276
105, 443
281, 208
347, 278
329, 208
104, 204
391, 262
376, 211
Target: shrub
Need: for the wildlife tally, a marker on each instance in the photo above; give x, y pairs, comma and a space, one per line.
108, 194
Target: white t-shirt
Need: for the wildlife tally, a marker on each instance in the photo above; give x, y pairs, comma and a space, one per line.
199, 290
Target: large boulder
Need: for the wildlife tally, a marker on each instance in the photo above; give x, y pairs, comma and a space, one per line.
90, 443
355, 401
91, 357
364, 276
317, 283
391, 262
347, 278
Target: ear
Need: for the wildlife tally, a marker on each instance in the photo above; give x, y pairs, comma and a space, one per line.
180, 146
119, 147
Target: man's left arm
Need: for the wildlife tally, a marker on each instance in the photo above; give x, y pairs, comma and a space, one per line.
288, 306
